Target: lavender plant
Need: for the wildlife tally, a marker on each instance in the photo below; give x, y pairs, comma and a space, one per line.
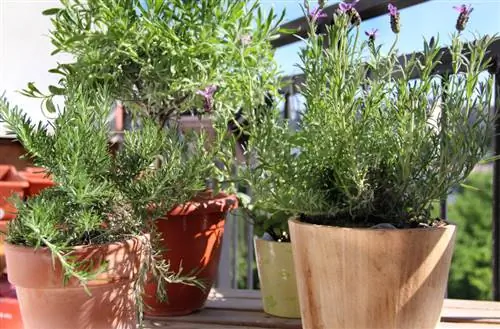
382, 136
164, 59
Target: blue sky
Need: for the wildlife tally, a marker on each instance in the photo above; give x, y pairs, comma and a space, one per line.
424, 20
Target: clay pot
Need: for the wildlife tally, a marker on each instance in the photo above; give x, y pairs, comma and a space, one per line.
47, 302
37, 179
371, 278
10, 183
192, 237
278, 285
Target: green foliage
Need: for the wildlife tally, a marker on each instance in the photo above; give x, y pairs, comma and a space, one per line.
167, 58
155, 54
100, 197
471, 210
373, 146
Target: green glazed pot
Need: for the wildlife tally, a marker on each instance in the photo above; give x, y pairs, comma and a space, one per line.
278, 285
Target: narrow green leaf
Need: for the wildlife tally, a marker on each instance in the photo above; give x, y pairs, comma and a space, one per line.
51, 11
49, 105
31, 86
56, 90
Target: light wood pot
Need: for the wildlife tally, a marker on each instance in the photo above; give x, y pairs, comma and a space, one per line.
278, 285
371, 278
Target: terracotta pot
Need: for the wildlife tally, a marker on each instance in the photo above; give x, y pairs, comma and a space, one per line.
10, 183
46, 302
3, 232
192, 236
37, 179
371, 278
278, 285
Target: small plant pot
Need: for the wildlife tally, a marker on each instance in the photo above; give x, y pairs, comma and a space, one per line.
192, 236
37, 179
11, 183
371, 278
48, 302
278, 285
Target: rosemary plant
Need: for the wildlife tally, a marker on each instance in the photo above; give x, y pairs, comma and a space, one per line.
383, 136
100, 197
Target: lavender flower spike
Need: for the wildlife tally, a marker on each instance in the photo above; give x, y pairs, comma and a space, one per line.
395, 21
317, 13
371, 34
393, 10
345, 7
208, 96
463, 18
464, 9
348, 9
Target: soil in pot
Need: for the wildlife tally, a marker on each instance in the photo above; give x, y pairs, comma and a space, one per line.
278, 285
192, 235
361, 278
46, 302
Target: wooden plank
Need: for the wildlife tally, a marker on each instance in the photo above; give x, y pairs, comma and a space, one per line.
246, 304
465, 326
471, 304
453, 309
179, 325
234, 293
367, 10
234, 309
233, 318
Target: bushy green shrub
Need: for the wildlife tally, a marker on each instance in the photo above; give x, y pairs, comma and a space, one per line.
471, 210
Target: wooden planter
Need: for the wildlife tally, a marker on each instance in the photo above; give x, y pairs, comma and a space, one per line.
278, 285
371, 278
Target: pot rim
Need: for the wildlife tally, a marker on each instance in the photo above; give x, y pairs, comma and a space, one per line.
204, 203
121, 243
295, 221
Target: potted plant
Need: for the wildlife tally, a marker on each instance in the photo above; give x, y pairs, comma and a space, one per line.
186, 65
381, 139
273, 253
78, 252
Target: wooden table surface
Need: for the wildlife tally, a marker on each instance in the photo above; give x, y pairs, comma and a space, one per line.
242, 309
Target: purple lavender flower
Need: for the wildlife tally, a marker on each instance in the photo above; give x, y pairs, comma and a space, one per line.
463, 9
317, 13
463, 17
371, 34
208, 96
345, 7
395, 21
348, 9
393, 10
